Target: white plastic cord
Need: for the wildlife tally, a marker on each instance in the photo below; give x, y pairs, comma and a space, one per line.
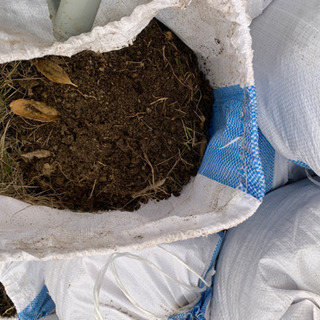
111, 261
231, 142
313, 180
190, 269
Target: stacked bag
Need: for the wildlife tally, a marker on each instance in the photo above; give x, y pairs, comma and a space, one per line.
268, 266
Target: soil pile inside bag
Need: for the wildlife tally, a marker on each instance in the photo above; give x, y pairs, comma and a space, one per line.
7, 308
133, 129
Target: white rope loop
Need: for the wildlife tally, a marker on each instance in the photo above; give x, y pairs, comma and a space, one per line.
111, 261
190, 269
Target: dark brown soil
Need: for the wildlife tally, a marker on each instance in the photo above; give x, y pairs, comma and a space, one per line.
7, 308
134, 129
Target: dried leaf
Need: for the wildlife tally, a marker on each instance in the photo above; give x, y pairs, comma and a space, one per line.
203, 120
39, 154
53, 72
34, 110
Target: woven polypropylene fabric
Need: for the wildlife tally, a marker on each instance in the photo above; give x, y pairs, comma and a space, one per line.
220, 37
232, 156
267, 154
269, 265
199, 311
256, 7
286, 42
40, 307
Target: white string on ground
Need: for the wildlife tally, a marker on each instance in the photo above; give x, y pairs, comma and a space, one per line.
111, 261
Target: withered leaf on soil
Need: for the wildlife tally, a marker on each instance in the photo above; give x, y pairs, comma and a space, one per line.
34, 110
53, 71
203, 120
39, 154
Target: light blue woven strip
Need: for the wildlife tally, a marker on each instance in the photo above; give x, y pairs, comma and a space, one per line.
39, 307
232, 155
198, 311
301, 164
267, 154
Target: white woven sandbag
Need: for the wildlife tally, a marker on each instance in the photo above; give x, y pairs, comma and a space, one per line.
278, 170
286, 42
71, 282
24, 284
269, 266
256, 7
230, 184
26, 32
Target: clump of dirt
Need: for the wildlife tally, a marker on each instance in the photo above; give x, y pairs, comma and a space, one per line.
132, 129
7, 309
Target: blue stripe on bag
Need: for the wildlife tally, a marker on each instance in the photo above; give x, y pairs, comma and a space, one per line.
39, 307
232, 155
267, 154
301, 164
198, 311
